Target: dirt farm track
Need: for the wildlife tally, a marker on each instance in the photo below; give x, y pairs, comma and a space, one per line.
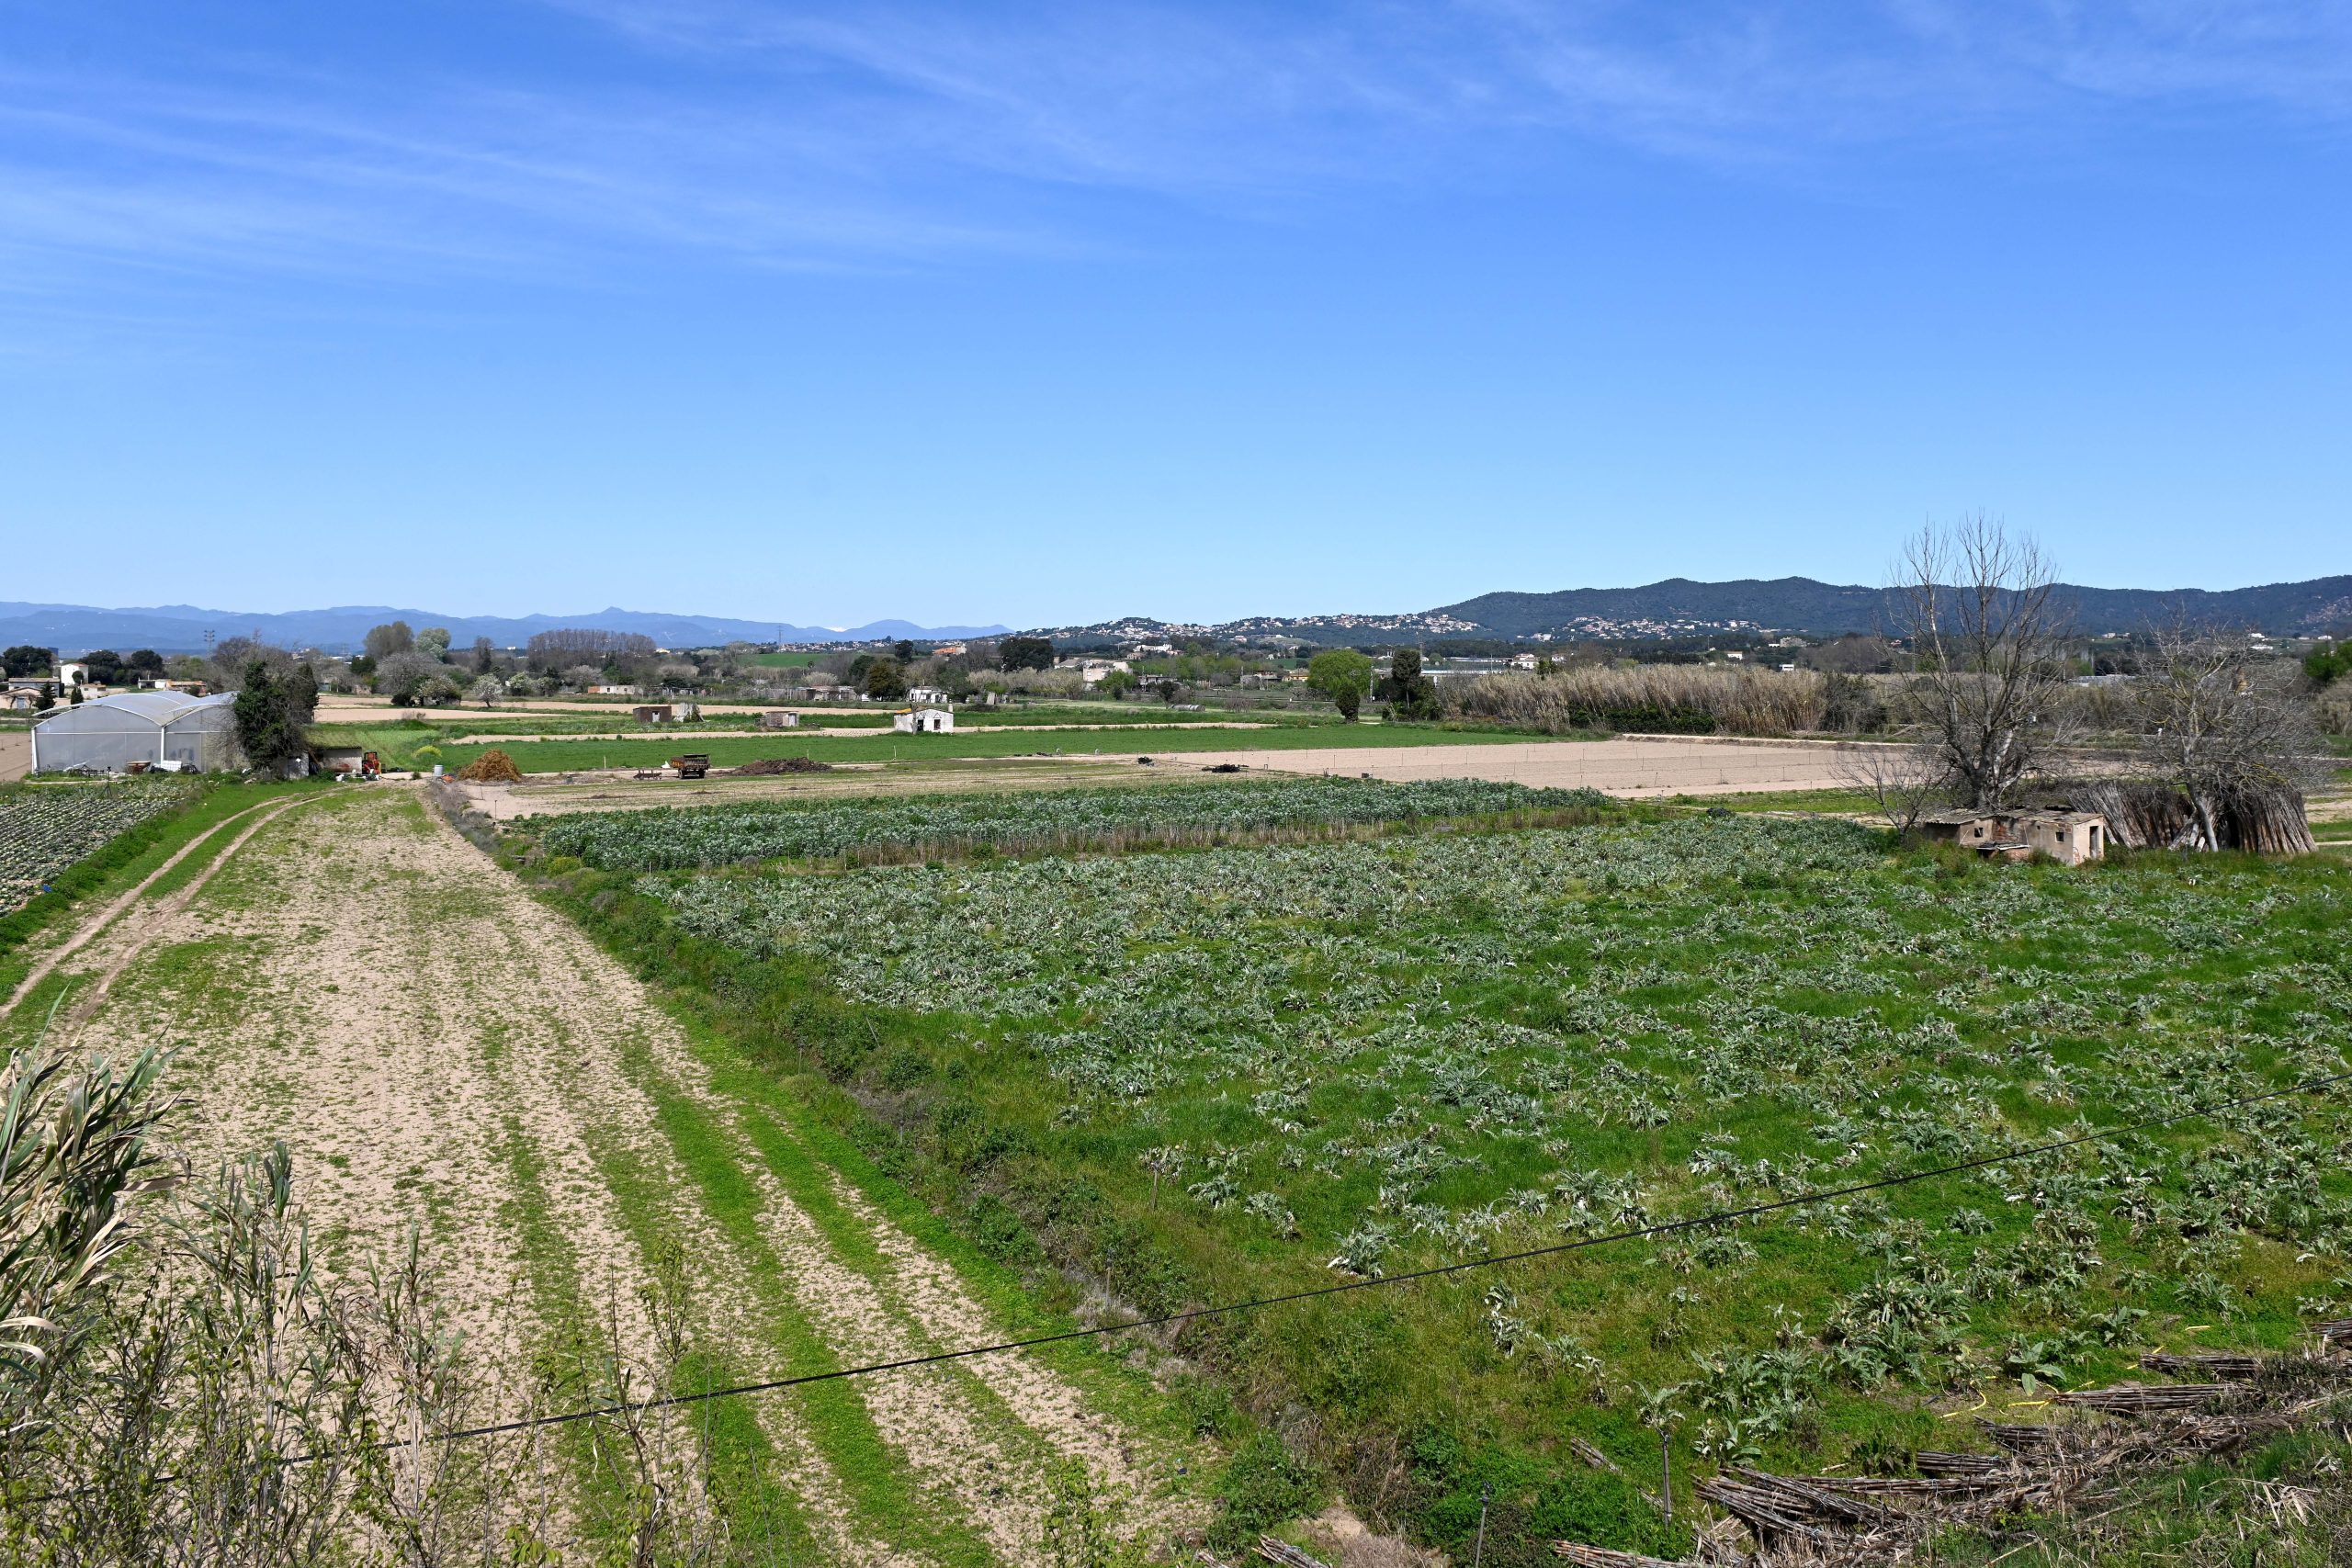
443, 1051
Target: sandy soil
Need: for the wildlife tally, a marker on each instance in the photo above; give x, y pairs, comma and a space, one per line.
444, 1053
1628, 766
1632, 766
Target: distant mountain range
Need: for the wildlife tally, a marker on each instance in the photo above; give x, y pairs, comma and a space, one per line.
180, 628
1801, 604
1680, 607
1676, 607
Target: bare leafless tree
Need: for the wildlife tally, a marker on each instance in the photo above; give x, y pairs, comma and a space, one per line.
1902, 779
1975, 606
2231, 728
562, 646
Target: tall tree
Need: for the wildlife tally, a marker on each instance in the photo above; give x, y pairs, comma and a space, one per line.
392, 637
1343, 675
566, 648
2227, 727
1024, 654
886, 678
433, 641
269, 711
1413, 694
1974, 605
415, 680
481, 655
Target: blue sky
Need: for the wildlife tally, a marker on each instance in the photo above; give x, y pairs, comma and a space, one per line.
963, 313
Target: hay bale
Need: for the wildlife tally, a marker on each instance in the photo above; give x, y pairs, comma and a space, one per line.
492, 766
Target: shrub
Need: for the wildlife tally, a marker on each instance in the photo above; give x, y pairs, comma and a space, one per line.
1264, 1485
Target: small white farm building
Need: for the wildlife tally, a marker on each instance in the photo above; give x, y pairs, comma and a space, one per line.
924, 721
111, 733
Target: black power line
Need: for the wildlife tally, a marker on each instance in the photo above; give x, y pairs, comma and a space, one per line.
1668, 1227
1664, 1228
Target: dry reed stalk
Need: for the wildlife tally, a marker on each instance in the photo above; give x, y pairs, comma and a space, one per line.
2225, 1365
1602, 1557
2136, 1399
1737, 701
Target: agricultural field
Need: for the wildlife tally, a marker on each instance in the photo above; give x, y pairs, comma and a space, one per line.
1205, 812
1204, 1076
47, 828
587, 1175
585, 756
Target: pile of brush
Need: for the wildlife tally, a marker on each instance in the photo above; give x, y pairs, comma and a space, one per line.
2238, 1399
492, 766
763, 766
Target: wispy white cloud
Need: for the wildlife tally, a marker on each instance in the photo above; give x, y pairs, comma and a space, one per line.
880, 133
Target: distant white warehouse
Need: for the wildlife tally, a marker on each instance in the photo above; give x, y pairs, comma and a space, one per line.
109, 734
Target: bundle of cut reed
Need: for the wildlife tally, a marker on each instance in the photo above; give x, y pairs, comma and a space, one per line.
2228, 1366
2139, 1399
1602, 1557
1772, 1512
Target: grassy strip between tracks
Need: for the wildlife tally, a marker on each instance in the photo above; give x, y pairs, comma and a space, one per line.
801, 1125
126, 860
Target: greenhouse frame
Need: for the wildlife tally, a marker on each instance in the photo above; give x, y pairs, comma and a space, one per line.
108, 733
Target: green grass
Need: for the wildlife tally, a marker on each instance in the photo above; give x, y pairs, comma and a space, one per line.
1413, 1051
563, 756
1840, 801
790, 659
124, 863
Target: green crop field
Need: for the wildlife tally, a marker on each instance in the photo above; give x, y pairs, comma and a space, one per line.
580, 756
678, 838
47, 828
1178, 1078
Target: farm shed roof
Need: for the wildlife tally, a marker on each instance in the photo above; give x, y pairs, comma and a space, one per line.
155, 707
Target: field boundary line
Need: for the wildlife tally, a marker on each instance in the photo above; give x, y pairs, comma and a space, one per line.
106, 917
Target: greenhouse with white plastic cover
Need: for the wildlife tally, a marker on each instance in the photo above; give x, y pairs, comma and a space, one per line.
167, 731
